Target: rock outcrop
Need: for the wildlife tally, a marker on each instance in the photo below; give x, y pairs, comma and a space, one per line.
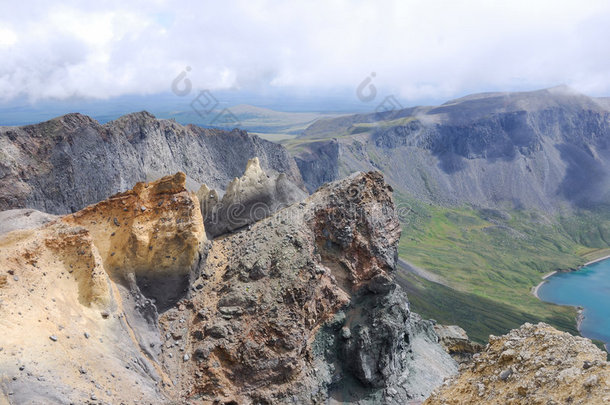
79, 322
65, 164
456, 342
535, 364
301, 307
247, 199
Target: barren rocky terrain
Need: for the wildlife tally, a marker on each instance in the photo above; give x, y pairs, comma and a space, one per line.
127, 299
534, 364
245, 292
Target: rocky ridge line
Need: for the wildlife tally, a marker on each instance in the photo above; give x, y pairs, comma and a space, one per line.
62, 165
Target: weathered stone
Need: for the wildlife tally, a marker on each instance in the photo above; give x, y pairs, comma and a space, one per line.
546, 366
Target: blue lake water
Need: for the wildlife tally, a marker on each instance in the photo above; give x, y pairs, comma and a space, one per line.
589, 288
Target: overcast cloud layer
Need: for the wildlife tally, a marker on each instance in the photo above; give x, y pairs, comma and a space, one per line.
418, 49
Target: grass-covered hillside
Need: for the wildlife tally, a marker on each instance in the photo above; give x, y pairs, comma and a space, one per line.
488, 262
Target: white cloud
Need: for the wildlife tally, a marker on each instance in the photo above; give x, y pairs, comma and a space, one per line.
418, 49
7, 37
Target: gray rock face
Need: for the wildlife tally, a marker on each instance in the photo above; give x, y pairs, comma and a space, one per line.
247, 199
538, 150
62, 165
320, 164
22, 219
376, 349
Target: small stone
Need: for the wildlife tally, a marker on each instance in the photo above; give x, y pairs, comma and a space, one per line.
186, 357
587, 365
504, 375
93, 397
116, 221
53, 338
82, 370
508, 355
16, 278
86, 335
591, 381
21, 368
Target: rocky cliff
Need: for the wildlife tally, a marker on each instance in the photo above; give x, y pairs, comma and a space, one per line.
536, 150
79, 297
247, 199
302, 308
127, 299
62, 165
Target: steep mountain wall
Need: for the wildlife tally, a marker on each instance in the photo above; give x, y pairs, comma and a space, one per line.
540, 150
62, 165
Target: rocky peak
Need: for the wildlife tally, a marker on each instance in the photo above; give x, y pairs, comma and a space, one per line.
302, 307
84, 289
151, 235
247, 199
63, 165
299, 307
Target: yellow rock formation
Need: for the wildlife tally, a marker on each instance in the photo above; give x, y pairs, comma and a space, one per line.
62, 313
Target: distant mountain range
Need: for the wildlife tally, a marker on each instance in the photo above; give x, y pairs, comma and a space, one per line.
542, 150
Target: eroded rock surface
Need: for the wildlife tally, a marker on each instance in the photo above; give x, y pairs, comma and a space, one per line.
302, 308
456, 342
74, 325
535, 364
127, 300
247, 199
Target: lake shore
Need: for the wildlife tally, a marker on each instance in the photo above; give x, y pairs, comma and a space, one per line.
580, 316
595, 261
544, 278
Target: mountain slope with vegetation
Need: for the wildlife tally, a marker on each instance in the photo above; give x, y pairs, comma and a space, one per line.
494, 191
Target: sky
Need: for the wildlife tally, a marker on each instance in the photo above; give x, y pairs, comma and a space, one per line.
415, 50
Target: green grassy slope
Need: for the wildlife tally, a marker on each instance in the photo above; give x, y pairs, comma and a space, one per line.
491, 260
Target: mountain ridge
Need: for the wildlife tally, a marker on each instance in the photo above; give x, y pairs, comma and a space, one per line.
529, 150
66, 163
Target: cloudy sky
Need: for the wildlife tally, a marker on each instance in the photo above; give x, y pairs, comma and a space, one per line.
418, 50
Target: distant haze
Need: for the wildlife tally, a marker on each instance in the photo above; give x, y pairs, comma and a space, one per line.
419, 50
